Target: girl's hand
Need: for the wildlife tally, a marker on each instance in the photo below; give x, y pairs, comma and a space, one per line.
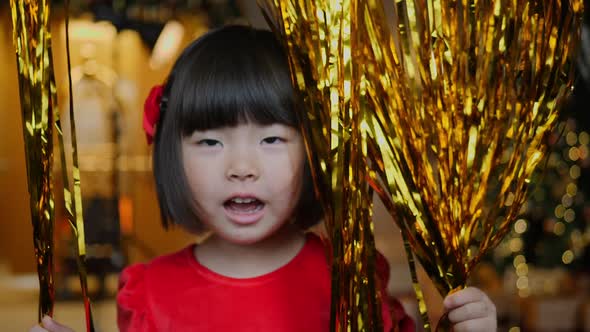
471, 309
49, 325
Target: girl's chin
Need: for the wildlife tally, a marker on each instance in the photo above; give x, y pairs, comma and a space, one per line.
249, 236
243, 241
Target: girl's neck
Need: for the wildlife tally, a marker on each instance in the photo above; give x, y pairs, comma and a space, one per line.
252, 260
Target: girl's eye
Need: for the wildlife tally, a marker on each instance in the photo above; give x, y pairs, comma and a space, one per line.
273, 140
208, 142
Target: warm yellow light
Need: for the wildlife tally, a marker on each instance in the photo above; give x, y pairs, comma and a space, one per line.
522, 283
522, 270
558, 228
575, 172
167, 45
520, 259
584, 138
572, 189
569, 215
567, 200
559, 211
567, 257
520, 226
514, 329
571, 138
574, 153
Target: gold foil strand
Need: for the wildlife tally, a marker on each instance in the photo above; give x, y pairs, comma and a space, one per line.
74, 211
416, 285
32, 39
386, 161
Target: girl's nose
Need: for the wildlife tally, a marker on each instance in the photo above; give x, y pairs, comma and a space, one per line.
242, 168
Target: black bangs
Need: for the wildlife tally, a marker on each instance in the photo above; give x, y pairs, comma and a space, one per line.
234, 81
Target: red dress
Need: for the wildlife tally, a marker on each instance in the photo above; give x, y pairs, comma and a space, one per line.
176, 293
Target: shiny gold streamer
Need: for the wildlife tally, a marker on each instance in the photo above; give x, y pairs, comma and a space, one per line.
32, 39
30, 22
321, 47
450, 107
464, 95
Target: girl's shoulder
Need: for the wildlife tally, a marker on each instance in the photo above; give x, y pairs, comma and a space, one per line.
175, 260
167, 262
140, 282
134, 277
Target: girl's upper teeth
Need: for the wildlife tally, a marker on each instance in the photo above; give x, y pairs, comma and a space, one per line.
243, 200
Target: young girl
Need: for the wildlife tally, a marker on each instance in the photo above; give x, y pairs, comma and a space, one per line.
229, 158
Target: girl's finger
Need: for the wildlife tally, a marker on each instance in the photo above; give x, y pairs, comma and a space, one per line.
37, 328
464, 296
469, 311
52, 326
475, 325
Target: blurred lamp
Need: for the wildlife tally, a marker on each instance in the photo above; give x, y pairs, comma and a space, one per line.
167, 45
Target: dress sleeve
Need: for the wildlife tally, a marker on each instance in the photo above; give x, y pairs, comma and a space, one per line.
395, 318
132, 314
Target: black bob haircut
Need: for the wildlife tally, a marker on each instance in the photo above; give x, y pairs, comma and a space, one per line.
229, 76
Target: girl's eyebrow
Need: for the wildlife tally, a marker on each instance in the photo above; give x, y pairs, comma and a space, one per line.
275, 125
207, 131
201, 133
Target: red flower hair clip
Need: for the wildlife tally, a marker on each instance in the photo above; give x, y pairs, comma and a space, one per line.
151, 112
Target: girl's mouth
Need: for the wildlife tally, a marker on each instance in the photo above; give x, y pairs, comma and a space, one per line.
244, 210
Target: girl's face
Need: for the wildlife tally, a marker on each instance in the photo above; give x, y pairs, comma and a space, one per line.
245, 180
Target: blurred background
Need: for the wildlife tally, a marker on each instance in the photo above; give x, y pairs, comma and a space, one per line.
539, 277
